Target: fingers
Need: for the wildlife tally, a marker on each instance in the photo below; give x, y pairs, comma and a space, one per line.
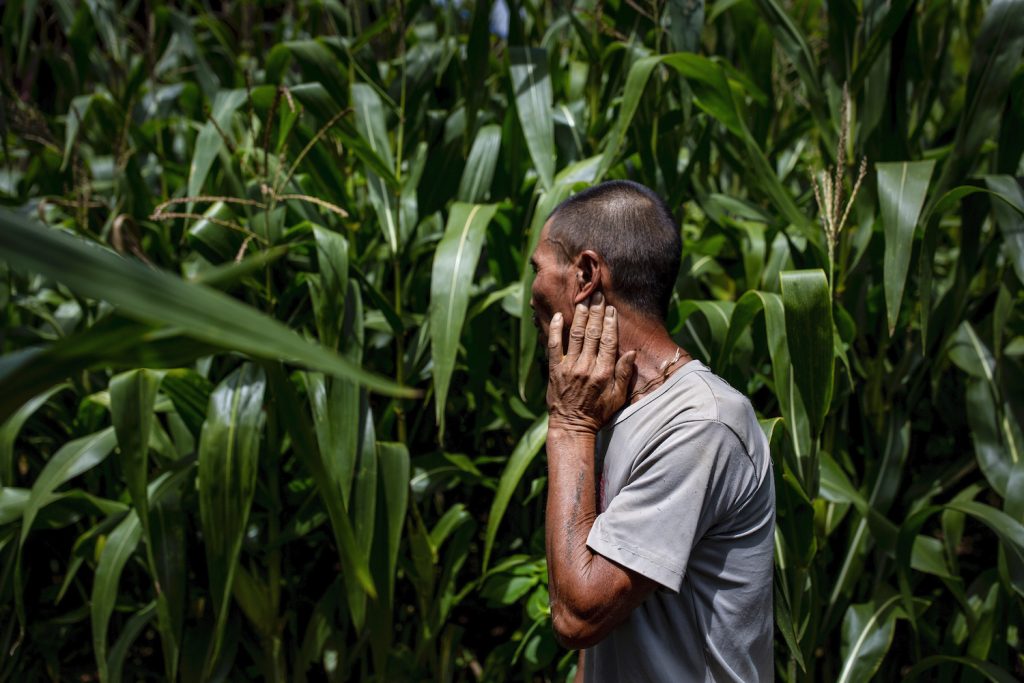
578, 331
555, 340
594, 329
609, 343
624, 372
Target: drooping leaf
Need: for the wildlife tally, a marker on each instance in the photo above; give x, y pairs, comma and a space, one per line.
157, 297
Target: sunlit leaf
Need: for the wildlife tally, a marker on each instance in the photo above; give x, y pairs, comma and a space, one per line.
454, 265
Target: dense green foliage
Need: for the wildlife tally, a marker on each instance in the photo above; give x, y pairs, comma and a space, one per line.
269, 391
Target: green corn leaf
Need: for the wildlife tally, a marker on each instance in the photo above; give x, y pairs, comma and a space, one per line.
883, 491
995, 56
72, 459
113, 342
997, 436
710, 88
209, 142
902, 187
166, 554
531, 85
986, 669
363, 506
713, 94
394, 476
156, 297
331, 286
793, 42
373, 129
636, 82
77, 113
717, 315
483, 159
784, 621
12, 425
452, 273
118, 549
1010, 216
132, 396
808, 304
881, 37
746, 310
867, 634
686, 20
319, 102
190, 393
123, 645
286, 402
317, 63
229, 450
1009, 531
525, 451
335, 409
393, 469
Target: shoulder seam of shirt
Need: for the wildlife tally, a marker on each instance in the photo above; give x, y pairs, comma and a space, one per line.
718, 409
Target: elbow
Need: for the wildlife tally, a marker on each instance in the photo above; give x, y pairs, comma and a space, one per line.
575, 630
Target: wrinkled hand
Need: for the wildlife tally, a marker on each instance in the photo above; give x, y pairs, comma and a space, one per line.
586, 385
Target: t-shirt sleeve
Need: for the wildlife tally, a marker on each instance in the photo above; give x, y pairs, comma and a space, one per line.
652, 523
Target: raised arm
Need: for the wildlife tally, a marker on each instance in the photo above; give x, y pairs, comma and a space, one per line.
590, 594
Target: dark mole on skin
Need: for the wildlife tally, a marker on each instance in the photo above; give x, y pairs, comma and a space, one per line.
570, 523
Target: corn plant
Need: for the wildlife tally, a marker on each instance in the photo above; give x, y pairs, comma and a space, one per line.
270, 405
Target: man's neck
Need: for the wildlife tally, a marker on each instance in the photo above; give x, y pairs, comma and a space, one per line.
655, 350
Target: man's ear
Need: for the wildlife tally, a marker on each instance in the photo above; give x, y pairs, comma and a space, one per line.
591, 275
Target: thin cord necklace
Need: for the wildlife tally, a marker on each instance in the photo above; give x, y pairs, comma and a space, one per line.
661, 378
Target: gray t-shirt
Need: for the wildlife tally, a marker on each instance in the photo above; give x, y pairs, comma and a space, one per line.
687, 499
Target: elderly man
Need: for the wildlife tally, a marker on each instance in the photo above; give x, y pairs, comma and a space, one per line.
661, 501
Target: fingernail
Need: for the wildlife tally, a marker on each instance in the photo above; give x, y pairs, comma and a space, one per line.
556, 318
597, 299
582, 307
609, 312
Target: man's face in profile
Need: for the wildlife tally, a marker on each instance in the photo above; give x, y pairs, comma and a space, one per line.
553, 287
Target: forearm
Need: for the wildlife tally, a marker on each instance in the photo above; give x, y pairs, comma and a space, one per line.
571, 511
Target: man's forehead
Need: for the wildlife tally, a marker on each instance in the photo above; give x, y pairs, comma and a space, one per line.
542, 240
